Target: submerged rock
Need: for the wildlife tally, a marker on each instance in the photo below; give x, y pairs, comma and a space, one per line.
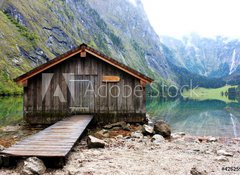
32, 166
94, 142
162, 128
147, 130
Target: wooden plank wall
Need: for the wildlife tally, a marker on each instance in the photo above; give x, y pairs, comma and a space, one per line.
91, 69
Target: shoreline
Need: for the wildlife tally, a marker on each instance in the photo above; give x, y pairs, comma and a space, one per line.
127, 151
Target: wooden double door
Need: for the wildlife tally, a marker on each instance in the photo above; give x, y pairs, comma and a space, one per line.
82, 93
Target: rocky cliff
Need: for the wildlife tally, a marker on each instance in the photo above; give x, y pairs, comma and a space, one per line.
211, 57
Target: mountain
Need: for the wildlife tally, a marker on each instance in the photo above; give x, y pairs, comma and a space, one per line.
210, 57
33, 32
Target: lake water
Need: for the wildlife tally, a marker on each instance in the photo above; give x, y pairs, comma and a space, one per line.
200, 118
209, 117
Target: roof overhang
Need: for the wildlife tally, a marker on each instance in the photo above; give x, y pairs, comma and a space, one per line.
81, 49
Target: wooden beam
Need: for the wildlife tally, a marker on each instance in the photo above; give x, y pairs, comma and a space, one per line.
143, 83
48, 66
24, 83
110, 79
83, 54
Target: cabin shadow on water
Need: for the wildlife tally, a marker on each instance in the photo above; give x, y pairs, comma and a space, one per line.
84, 81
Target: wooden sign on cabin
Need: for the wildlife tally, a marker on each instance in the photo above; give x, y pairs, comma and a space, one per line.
84, 81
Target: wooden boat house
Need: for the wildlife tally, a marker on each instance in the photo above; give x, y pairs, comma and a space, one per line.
84, 81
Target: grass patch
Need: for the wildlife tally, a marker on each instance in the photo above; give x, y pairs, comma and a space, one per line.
24, 31
209, 94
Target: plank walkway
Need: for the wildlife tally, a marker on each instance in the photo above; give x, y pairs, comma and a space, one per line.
55, 141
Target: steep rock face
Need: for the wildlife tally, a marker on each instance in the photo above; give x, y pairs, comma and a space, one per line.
218, 57
32, 32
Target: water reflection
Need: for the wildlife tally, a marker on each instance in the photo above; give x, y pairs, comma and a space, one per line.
203, 118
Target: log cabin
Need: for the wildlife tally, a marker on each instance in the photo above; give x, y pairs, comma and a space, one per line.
84, 81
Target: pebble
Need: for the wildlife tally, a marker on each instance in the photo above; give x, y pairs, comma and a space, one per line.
222, 159
224, 153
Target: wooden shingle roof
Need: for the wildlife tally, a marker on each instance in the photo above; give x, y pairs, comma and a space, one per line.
82, 48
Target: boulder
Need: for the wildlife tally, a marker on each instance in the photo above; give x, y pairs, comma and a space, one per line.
32, 165
224, 153
121, 124
195, 171
162, 128
157, 139
137, 134
94, 142
147, 130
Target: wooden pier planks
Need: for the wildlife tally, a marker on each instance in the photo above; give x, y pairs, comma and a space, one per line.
55, 141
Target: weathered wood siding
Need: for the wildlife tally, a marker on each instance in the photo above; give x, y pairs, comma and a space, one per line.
47, 109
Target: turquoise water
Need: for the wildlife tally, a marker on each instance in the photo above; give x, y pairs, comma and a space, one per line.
200, 118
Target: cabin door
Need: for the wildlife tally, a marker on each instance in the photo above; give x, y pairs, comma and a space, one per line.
82, 94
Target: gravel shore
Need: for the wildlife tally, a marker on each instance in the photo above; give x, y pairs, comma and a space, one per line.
129, 155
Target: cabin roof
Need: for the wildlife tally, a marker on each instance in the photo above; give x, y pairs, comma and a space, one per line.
82, 48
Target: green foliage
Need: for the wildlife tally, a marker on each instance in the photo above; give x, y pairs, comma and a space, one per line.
209, 94
116, 40
138, 49
22, 29
10, 110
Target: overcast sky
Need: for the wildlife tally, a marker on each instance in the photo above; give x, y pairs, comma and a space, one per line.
205, 17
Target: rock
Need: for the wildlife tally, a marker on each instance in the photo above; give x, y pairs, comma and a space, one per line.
32, 165
162, 128
157, 139
102, 134
94, 142
147, 130
194, 171
2, 148
222, 159
119, 137
126, 127
117, 128
202, 139
177, 135
137, 134
118, 124
212, 139
224, 153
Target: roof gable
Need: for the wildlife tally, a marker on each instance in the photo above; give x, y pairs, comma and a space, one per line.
81, 49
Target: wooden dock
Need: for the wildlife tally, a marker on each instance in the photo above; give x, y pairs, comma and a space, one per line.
55, 141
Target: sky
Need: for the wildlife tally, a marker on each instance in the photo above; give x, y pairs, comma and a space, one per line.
207, 18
